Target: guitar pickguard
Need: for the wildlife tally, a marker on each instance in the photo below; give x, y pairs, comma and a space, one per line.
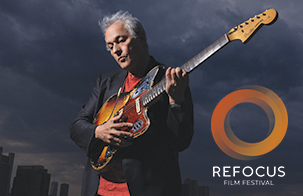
146, 83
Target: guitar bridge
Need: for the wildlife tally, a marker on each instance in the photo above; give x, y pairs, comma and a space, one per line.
137, 126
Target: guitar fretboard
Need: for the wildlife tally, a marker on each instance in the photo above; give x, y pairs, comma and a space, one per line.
189, 66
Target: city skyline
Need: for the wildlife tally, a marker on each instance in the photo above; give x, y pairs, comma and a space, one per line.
193, 189
8, 179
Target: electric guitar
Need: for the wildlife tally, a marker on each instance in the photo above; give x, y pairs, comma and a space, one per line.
134, 104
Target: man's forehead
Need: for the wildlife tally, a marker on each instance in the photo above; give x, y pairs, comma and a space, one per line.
115, 31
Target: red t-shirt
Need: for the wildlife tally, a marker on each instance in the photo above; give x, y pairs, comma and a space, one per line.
130, 82
107, 188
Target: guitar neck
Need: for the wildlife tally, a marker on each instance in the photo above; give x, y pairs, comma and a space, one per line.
200, 58
189, 66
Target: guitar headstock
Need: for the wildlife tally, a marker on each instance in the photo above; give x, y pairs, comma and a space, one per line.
247, 29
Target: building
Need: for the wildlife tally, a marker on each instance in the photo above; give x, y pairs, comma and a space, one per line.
6, 167
54, 189
31, 181
203, 191
64, 189
191, 188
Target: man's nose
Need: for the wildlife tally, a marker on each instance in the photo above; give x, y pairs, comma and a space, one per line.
117, 49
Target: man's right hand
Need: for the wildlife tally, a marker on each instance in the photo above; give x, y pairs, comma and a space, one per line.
110, 133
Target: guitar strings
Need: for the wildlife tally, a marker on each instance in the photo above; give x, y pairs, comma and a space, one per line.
152, 93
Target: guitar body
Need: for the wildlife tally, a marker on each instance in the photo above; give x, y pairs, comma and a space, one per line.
130, 104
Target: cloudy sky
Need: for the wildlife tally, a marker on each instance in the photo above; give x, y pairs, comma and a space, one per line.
51, 53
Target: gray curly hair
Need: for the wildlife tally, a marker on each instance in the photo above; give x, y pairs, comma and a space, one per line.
132, 24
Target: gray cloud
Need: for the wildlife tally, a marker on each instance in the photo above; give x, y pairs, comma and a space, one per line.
52, 51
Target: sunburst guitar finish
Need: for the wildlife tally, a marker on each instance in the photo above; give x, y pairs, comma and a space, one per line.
134, 110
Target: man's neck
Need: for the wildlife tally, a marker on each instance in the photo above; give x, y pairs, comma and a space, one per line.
141, 69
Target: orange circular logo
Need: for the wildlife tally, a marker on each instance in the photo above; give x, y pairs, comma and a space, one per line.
229, 143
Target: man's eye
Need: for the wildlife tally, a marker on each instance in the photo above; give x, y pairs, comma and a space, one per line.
122, 40
110, 47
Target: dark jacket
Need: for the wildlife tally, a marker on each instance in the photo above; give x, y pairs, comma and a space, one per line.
150, 164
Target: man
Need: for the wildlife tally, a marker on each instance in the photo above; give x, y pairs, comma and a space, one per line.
149, 164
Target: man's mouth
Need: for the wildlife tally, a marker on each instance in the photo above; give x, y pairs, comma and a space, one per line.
121, 59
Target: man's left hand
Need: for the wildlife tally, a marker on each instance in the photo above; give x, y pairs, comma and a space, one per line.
176, 82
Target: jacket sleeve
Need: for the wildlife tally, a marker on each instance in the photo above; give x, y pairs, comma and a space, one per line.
182, 130
82, 129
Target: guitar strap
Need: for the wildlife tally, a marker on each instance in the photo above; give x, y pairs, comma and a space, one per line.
118, 95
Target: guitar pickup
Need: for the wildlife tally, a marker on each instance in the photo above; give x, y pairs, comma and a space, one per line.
119, 112
138, 108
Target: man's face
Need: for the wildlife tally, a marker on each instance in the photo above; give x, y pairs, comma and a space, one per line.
125, 49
